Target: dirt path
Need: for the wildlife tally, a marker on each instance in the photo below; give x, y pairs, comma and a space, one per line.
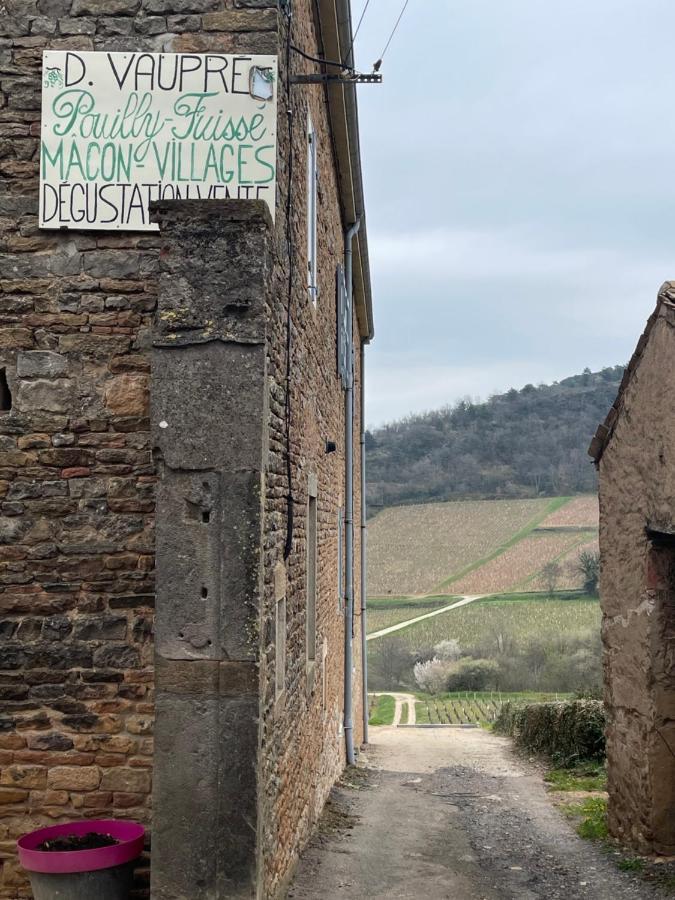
437, 612
403, 700
452, 813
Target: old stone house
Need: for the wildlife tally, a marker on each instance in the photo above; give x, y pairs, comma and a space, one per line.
176, 457
633, 450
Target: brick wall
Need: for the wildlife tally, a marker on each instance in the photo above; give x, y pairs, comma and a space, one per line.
76, 470
302, 740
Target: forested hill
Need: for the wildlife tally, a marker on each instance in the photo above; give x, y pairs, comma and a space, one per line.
523, 443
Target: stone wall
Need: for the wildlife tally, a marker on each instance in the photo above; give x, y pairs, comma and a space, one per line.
76, 525
77, 477
637, 513
208, 423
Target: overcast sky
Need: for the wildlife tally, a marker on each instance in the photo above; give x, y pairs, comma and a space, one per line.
519, 166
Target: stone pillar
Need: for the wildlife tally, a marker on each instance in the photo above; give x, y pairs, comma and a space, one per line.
208, 399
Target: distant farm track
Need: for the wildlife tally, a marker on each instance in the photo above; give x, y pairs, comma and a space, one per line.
478, 547
399, 626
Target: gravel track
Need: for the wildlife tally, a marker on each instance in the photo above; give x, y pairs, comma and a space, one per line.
449, 813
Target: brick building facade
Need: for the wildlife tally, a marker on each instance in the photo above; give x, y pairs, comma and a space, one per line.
633, 450
150, 587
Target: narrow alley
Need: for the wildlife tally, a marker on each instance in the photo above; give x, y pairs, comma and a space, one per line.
452, 813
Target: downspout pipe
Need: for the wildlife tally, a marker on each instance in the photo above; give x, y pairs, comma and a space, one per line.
349, 508
363, 542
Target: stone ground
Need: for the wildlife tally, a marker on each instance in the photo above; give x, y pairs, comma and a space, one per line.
452, 813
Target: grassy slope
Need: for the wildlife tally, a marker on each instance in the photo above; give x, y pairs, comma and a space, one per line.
386, 611
382, 713
486, 620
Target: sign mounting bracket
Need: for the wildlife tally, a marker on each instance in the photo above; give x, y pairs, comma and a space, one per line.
372, 78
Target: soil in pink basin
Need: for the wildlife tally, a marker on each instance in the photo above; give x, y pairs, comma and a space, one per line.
103, 843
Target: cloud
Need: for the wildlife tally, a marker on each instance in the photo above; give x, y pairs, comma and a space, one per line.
429, 387
520, 191
462, 253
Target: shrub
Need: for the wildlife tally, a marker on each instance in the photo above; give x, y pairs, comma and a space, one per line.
588, 564
568, 731
432, 675
472, 675
448, 649
389, 664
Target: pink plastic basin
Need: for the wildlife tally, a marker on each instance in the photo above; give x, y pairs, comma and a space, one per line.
130, 835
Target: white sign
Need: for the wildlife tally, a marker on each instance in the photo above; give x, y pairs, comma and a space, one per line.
122, 129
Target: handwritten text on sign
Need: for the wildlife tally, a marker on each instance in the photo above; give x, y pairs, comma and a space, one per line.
122, 129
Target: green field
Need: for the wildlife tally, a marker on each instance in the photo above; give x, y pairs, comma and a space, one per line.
381, 709
386, 611
485, 621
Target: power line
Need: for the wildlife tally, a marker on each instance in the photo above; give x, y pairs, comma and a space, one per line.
319, 59
354, 36
391, 36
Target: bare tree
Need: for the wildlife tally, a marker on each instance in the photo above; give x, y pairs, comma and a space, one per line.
551, 574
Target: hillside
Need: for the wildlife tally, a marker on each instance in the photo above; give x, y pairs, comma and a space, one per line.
522, 444
478, 546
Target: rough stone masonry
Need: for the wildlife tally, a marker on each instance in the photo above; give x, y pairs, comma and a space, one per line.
84, 354
633, 450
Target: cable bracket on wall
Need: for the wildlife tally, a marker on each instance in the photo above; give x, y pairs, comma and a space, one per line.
345, 78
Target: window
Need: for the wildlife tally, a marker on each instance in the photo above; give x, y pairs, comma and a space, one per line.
312, 184
311, 570
344, 328
5, 393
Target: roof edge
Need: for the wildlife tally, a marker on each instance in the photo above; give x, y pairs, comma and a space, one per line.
336, 29
665, 305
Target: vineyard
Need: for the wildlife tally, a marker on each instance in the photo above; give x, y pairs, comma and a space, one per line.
472, 708
460, 708
488, 621
385, 611
412, 549
522, 563
476, 547
580, 512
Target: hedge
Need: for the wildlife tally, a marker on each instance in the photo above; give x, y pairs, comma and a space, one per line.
568, 731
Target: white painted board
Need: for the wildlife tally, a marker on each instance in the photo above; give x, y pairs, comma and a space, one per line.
119, 130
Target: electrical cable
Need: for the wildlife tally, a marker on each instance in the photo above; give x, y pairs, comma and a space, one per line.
351, 46
288, 544
377, 65
318, 59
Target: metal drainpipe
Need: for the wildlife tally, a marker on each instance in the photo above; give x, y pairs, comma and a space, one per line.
349, 510
363, 543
